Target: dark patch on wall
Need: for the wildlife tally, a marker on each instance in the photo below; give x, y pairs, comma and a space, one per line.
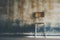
3, 3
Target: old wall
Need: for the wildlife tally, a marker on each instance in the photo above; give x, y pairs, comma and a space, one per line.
52, 12
24, 9
27, 8
51, 8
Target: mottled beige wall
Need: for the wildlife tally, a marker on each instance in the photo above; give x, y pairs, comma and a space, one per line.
52, 11
51, 8
29, 7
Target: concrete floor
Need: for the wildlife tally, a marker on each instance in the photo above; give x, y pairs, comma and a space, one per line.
20, 38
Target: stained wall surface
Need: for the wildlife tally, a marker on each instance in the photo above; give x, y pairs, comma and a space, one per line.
17, 15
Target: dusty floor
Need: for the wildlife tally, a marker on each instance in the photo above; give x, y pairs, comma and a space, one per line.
18, 38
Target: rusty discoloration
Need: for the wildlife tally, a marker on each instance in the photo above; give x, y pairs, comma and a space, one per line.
50, 5
37, 4
32, 4
21, 8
